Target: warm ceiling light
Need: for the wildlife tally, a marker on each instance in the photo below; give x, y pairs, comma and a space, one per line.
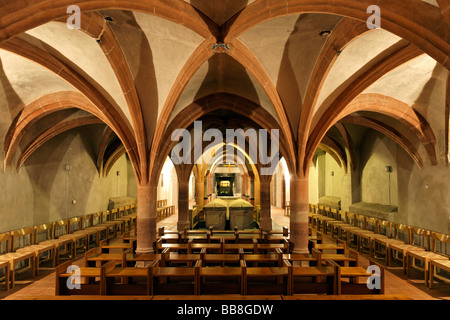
325, 33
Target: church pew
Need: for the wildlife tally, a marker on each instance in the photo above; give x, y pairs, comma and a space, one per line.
265, 280
133, 280
348, 279
220, 280
88, 283
175, 280
320, 279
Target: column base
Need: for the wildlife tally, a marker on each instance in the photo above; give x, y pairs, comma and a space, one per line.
181, 225
266, 224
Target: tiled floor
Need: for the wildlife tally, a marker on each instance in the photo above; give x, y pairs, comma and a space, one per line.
396, 281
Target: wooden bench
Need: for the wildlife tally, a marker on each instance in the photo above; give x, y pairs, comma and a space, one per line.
175, 280
219, 280
110, 244
89, 280
353, 274
133, 280
265, 280
322, 279
349, 258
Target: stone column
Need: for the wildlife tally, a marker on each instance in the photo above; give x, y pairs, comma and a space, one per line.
209, 179
299, 200
146, 219
265, 215
199, 191
183, 204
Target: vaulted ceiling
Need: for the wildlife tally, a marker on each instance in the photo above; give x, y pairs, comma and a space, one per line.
142, 68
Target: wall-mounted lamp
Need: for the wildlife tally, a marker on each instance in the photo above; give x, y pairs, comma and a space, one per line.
67, 167
388, 169
332, 173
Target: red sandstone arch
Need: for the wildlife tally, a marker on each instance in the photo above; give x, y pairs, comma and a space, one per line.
106, 111
345, 32
21, 16
390, 132
400, 111
40, 108
245, 57
214, 102
372, 74
428, 31
54, 131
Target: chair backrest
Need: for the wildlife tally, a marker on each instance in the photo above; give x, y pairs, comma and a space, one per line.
60, 227
384, 227
113, 214
371, 224
360, 221
97, 218
43, 232
21, 238
106, 216
351, 218
75, 224
86, 220
401, 232
5, 242
420, 237
440, 243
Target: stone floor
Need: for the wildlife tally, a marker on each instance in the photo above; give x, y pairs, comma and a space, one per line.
396, 281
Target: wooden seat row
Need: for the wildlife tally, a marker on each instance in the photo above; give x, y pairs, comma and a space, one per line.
210, 235
27, 248
163, 210
112, 279
406, 244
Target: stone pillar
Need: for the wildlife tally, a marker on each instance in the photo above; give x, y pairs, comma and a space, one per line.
183, 205
256, 191
146, 219
299, 200
209, 186
199, 191
265, 215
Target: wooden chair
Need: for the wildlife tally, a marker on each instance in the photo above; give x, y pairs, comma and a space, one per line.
76, 235
43, 252
438, 264
397, 249
426, 257
5, 266
64, 246
20, 261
